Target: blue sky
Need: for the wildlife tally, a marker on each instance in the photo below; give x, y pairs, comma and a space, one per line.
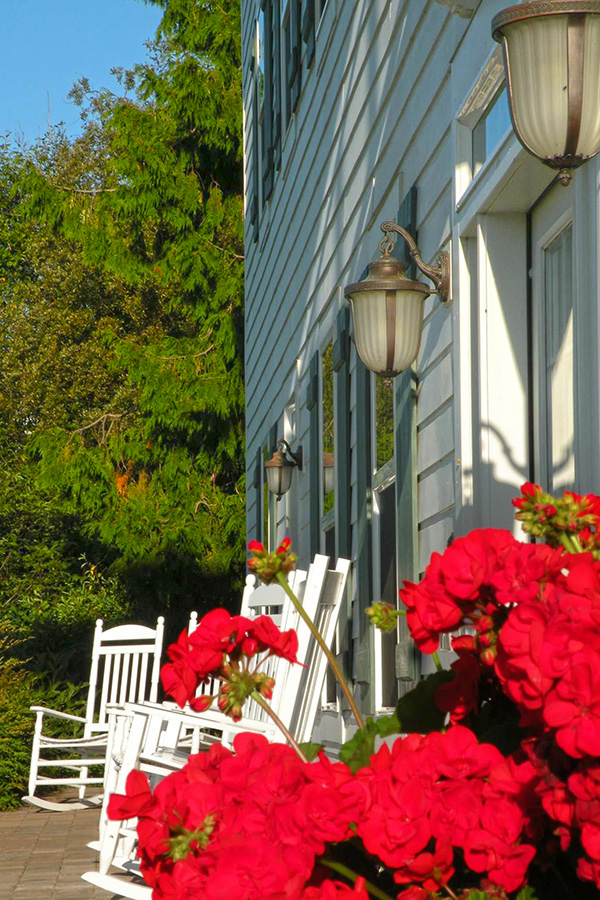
46, 45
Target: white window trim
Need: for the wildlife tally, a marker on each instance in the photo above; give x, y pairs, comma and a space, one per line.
473, 108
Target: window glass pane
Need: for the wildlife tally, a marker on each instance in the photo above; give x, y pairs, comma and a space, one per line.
490, 129
287, 55
389, 590
558, 325
327, 440
266, 494
384, 419
260, 54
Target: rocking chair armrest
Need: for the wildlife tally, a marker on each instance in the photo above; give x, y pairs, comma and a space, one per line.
56, 714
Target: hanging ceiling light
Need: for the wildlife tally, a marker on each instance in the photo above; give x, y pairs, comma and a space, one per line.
387, 306
279, 468
552, 62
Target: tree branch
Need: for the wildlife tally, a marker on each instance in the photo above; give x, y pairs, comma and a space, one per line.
188, 356
92, 191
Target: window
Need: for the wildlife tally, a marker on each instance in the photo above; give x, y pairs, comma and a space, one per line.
292, 49
554, 354
490, 129
482, 123
384, 534
327, 487
559, 388
268, 498
327, 430
260, 59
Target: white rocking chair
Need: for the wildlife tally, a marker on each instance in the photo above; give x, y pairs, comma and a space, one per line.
148, 748
125, 667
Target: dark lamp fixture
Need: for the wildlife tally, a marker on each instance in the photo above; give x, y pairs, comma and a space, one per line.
328, 473
387, 306
279, 468
552, 61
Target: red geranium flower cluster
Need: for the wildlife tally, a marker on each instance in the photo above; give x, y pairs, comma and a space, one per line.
471, 584
267, 565
534, 614
246, 824
557, 519
222, 647
259, 823
432, 794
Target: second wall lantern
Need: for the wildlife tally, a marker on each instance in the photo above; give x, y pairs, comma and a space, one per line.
388, 307
552, 62
280, 467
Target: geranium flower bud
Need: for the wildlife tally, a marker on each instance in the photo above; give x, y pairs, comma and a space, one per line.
489, 655
235, 692
268, 565
256, 547
201, 704
383, 616
264, 684
186, 841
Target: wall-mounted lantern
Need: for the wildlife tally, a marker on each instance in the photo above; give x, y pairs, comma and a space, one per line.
388, 307
280, 467
552, 62
328, 473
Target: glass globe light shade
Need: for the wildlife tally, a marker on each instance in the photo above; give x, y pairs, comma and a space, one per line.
388, 316
552, 61
328, 473
279, 473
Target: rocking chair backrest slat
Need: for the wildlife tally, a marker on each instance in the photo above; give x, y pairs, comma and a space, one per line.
113, 666
284, 696
143, 671
125, 668
124, 679
258, 600
307, 588
135, 684
308, 693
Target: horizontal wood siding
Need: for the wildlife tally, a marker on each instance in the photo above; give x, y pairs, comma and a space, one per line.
374, 118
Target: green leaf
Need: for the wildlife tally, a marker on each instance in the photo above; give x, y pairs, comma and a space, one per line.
311, 750
387, 725
357, 752
477, 895
527, 893
417, 710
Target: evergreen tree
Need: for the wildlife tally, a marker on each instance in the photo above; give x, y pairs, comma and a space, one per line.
121, 329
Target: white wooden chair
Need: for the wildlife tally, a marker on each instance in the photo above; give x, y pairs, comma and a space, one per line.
145, 749
166, 735
125, 667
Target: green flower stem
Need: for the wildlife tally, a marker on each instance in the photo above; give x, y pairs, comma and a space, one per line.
436, 660
290, 739
571, 543
341, 869
330, 657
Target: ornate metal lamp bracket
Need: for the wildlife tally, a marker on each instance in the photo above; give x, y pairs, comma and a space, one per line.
439, 273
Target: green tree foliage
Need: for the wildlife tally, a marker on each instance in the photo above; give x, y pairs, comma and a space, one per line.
132, 398
121, 364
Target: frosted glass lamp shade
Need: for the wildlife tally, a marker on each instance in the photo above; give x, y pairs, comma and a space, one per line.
279, 473
552, 61
387, 328
388, 317
328, 473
